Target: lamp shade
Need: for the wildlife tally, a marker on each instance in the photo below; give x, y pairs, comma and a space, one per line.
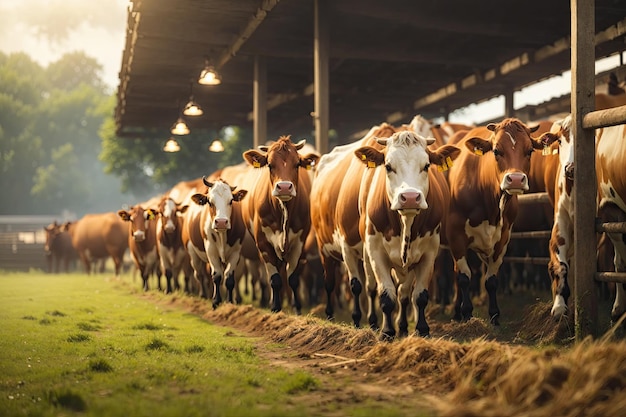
209, 76
192, 109
216, 146
180, 127
171, 146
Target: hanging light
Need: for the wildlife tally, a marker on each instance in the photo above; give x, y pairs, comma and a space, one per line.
216, 146
209, 75
180, 127
192, 108
171, 146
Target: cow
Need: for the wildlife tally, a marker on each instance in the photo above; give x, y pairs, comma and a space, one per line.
142, 241
98, 236
216, 233
562, 237
403, 204
485, 180
173, 256
58, 248
335, 219
276, 212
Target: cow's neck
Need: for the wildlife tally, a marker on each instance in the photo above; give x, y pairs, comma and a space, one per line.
407, 224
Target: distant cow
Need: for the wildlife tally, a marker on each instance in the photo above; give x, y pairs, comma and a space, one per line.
58, 248
403, 203
98, 236
484, 183
142, 241
276, 212
216, 232
173, 256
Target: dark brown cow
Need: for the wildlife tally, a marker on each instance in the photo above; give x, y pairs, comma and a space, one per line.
484, 183
216, 233
173, 256
98, 236
276, 212
142, 241
58, 248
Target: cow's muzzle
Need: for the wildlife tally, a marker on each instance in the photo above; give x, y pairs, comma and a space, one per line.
139, 236
409, 201
284, 190
221, 223
514, 183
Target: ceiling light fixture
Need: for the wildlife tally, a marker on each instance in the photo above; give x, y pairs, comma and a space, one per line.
180, 127
216, 146
192, 108
209, 75
171, 146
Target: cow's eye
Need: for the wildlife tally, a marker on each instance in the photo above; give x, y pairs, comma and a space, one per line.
426, 167
530, 152
497, 153
388, 168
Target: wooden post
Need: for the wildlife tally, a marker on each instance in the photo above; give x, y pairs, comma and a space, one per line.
583, 101
259, 105
509, 109
321, 76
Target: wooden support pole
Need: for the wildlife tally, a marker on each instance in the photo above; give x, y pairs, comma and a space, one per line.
260, 102
583, 101
321, 75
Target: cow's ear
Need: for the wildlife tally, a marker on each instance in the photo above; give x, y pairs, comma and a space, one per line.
124, 215
200, 199
443, 156
478, 146
545, 140
370, 156
309, 161
239, 195
255, 158
150, 214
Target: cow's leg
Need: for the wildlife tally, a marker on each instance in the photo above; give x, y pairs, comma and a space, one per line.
423, 274
458, 299
217, 283
230, 287
560, 245
168, 281
491, 285
356, 288
354, 268
403, 322
144, 277
619, 306
294, 283
276, 283
330, 276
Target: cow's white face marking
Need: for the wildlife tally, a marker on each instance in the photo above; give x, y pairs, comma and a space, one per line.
406, 165
220, 197
169, 213
512, 140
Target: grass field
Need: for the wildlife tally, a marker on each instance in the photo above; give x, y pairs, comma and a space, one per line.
77, 345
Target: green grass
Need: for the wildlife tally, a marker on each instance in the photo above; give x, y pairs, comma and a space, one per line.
77, 345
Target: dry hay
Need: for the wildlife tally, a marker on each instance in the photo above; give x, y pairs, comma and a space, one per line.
539, 327
479, 377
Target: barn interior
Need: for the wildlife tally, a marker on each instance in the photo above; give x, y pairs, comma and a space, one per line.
386, 61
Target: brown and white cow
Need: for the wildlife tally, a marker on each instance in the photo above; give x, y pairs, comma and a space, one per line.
142, 241
98, 236
173, 256
611, 175
216, 233
276, 212
58, 248
403, 204
484, 183
335, 218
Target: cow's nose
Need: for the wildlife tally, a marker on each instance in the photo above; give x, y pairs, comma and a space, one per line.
221, 224
169, 227
569, 170
139, 236
411, 200
516, 181
284, 187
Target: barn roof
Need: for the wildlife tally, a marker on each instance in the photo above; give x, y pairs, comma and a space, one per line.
389, 60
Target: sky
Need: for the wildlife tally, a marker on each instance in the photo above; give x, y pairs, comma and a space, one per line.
47, 29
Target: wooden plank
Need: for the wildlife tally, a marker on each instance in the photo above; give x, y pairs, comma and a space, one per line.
605, 118
585, 259
533, 198
321, 74
619, 277
259, 106
526, 260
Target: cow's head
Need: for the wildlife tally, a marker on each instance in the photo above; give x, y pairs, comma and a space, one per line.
511, 145
284, 162
406, 160
139, 220
52, 232
170, 211
219, 197
561, 132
